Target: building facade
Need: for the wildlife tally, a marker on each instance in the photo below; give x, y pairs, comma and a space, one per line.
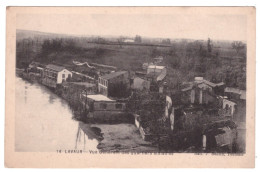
140, 84
239, 98
53, 75
104, 109
113, 83
156, 69
201, 91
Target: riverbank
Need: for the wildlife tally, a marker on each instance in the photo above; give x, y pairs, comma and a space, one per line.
123, 138
43, 121
54, 112
75, 93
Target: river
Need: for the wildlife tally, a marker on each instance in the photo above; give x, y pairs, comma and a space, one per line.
43, 122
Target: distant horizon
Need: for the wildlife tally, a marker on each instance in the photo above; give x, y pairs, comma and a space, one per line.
127, 36
177, 26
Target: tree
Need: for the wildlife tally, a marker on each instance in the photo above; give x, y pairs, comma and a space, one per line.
238, 45
119, 90
101, 40
166, 41
209, 45
150, 106
120, 41
172, 51
138, 39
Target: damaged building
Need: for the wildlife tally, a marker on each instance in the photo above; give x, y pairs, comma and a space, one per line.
104, 110
197, 125
201, 91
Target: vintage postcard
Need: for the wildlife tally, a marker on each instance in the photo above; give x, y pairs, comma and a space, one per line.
130, 87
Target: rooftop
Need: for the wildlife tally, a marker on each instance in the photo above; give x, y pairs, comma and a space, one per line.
155, 67
187, 88
161, 76
34, 63
213, 84
201, 83
99, 97
113, 75
129, 40
86, 84
55, 67
242, 93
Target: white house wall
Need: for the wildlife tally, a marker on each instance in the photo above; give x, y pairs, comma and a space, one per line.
59, 77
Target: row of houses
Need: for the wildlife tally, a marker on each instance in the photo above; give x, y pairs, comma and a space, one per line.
109, 84
200, 91
199, 100
94, 95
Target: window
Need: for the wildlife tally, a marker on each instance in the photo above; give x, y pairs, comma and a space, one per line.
91, 107
119, 106
63, 75
103, 105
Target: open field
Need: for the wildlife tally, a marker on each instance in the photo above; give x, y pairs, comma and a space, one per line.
184, 59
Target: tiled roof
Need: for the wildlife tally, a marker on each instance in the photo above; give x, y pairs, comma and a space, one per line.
212, 84
161, 76
201, 84
113, 75
55, 67
187, 88
99, 97
204, 86
242, 93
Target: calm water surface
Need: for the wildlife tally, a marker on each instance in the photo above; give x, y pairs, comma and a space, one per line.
43, 122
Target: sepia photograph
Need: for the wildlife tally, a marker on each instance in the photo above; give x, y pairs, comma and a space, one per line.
131, 81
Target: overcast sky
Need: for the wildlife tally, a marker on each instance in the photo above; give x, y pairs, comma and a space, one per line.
222, 27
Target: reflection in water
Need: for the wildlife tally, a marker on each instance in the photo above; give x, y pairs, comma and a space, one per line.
25, 94
85, 131
43, 122
51, 99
